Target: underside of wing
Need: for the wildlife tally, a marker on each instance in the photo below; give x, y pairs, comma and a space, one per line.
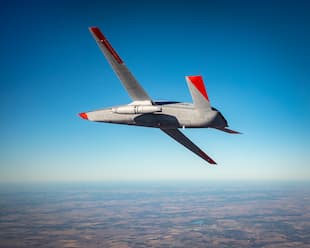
183, 140
134, 89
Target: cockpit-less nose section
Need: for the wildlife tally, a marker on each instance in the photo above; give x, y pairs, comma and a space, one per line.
167, 116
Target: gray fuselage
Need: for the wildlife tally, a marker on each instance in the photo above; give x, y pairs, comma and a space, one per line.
171, 115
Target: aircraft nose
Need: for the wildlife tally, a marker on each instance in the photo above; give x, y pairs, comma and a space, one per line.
83, 115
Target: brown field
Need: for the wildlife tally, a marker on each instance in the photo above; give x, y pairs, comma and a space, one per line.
150, 215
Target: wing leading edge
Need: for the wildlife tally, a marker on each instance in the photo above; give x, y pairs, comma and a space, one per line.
134, 89
183, 140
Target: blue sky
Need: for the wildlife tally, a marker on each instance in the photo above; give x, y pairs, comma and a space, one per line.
253, 55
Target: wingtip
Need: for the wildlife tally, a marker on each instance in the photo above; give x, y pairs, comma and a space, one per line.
97, 32
94, 29
99, 36
234, 132
226, 130
212, 162
207, 158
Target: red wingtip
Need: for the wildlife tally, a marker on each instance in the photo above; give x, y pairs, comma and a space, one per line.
198, 82
98, 33
101, 38
83, 115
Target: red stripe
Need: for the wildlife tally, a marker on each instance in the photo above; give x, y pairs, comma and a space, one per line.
198, 82
106, 43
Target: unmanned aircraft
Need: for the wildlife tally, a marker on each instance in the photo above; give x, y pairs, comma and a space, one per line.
167, 116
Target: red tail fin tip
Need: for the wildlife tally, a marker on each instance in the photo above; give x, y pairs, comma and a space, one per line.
197, 81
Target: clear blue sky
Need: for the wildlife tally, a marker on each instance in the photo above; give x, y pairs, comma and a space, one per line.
253, 55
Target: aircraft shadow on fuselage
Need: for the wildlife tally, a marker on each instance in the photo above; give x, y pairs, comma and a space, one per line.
157, 120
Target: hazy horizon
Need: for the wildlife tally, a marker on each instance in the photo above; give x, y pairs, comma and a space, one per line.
155, 215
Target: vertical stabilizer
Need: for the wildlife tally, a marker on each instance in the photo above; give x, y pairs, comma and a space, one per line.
198, 92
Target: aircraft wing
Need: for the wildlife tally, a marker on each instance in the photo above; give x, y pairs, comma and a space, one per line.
134, 89
183, 140
227, 130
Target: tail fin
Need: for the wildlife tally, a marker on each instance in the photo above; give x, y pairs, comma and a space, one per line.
198, 92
